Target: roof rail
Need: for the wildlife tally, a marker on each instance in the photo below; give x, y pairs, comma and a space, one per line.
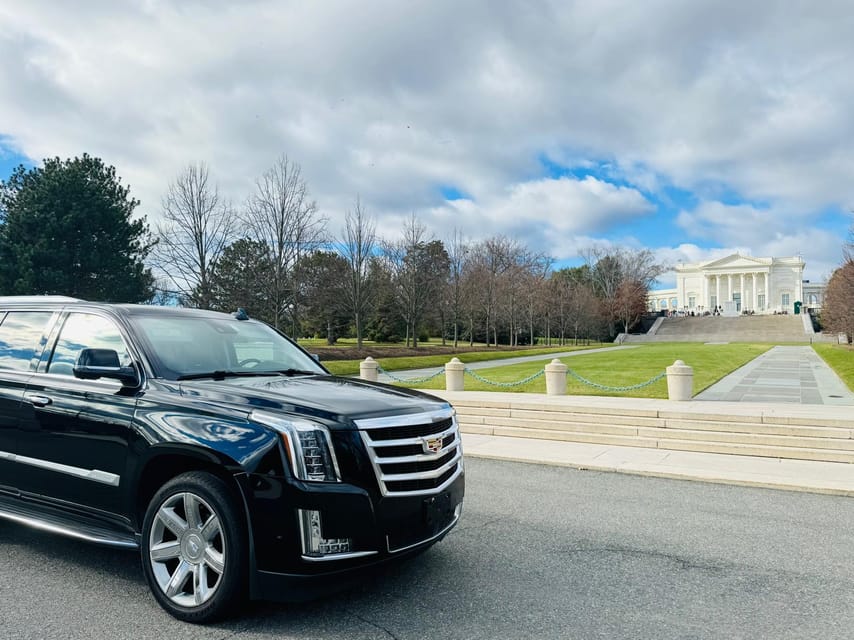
12, 299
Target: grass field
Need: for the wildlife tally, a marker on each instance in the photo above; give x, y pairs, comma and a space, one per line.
840, 358
622, 368
351, 367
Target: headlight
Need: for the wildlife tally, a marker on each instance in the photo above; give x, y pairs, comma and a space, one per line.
308, 444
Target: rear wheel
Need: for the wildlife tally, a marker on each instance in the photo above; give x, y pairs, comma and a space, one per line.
194, 547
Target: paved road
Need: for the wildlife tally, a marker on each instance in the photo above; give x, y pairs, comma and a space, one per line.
782, 374
541, 552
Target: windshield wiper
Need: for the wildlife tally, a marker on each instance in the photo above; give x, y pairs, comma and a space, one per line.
296, 372
222, 375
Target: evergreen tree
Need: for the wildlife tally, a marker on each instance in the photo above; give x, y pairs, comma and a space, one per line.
324, 311
238, 278
68, 229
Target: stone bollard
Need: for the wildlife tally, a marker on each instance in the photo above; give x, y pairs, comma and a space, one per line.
556, 378
454, 373
680, 381
368, 369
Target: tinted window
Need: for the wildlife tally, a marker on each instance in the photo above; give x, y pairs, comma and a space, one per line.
85, 331
185, 345
20, 336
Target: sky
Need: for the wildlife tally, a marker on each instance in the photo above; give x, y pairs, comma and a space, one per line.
694, 129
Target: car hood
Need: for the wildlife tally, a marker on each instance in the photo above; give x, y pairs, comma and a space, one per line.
331, 398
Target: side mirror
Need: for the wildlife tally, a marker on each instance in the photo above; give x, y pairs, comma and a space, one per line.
93, 364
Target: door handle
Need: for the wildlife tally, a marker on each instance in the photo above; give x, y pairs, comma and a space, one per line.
38, 401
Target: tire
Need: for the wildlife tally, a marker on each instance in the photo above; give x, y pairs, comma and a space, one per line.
194, 547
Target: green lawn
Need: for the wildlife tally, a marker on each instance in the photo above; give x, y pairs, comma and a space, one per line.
623, 368
351, 367
840, 358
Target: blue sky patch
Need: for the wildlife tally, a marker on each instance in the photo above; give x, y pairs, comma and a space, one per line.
450, 192
10, 159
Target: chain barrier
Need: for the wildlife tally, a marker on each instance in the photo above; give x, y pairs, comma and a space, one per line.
505, 385
524, 381
410, 380
604, 387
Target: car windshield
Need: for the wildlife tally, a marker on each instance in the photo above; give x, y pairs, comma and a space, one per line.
184, 347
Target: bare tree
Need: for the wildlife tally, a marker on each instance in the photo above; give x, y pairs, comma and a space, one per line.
418, 266
281, 214
458, 251
837, 309
621, 279
491, 260
197, 226
535, 277
357, 248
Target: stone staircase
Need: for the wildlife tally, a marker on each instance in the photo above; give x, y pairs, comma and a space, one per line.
777, 329
767, 434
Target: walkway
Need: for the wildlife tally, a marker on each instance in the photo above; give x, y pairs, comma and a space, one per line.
410, 374
782, 374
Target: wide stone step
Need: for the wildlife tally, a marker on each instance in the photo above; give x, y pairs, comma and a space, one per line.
769, 433
677, 444
687, 431
735, 424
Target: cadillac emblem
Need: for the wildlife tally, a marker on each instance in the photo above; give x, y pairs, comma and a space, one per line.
431, 445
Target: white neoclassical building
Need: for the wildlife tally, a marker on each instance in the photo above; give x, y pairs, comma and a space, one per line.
737, 284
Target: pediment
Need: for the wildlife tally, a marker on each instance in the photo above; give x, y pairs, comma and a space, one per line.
736, 261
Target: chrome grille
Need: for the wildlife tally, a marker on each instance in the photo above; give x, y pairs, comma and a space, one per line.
399, 449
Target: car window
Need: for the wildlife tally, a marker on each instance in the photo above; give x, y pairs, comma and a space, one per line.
186, 345
85, 331
21, 335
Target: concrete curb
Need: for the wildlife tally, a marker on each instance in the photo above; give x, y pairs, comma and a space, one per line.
827, 478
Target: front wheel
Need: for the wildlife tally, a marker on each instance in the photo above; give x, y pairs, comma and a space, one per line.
194, 547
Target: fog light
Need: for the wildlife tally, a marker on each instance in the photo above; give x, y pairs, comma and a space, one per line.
313, 542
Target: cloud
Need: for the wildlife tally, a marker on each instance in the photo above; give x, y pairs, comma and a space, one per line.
547, 213
762, 232
389, 100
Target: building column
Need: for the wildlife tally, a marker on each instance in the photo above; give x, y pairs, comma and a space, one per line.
755, 292
729, 287
705, 294
717, 289
741, 293
768, 299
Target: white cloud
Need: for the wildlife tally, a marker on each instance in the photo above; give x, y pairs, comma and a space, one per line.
392, 100
760, 232
547, 213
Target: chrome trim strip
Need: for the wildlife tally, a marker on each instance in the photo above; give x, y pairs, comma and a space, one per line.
428, 492
406, 420
96, 475
416, 544
340, 556
420, 457
66, 531
424, 475
404, 441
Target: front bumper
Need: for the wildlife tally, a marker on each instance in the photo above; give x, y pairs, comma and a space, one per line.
382, 530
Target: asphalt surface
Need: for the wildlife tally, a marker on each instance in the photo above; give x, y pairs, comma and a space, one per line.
541, 552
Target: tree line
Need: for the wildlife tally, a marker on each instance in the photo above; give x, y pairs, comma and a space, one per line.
68, 227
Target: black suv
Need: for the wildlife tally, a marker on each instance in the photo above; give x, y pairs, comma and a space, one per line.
228, 455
